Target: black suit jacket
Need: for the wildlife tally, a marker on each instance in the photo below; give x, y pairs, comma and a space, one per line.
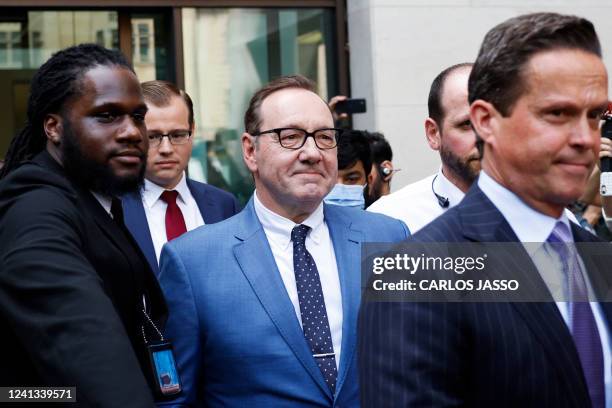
71, 288
472, 354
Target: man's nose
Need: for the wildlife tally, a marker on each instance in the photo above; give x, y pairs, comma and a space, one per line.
585, 133
310, 152
131, 131
164, 145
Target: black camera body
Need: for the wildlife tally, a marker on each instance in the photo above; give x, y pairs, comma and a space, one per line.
351, 106
606, 131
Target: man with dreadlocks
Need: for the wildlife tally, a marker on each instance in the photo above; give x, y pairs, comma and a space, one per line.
78, 301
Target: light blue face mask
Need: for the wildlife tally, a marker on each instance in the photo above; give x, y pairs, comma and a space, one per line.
346, 195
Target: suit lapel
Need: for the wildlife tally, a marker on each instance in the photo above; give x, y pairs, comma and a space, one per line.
136, 222
119, 237
347, 249
104, 221
208, 209
482, 222
255, 258
113, 232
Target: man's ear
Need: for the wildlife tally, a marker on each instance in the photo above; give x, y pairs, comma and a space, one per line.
432, 132
386, 170
54, 128
484, 118
248, 151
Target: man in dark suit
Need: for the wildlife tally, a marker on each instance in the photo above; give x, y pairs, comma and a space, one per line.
537, 91
264, 305
77, 298
169, 203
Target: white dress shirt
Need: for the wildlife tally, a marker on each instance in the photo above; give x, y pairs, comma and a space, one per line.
319, 244
155, 210
416, 204
531, 227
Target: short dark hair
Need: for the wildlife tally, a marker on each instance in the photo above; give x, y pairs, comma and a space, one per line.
353, 146
380, 149
160, 93
252, 119
498, 73
54, 84
434, 102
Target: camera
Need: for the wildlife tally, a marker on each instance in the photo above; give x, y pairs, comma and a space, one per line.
605, 182
351, 106
606, 131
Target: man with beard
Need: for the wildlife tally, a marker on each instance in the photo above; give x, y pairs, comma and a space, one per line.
79, 304
448, 131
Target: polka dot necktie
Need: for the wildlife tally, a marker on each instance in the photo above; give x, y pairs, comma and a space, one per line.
312, 307
175, 223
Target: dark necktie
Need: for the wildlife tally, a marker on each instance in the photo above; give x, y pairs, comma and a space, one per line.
583, 324
117, 211
175, 223
312, 307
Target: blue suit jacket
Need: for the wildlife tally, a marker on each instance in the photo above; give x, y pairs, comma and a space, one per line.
237, 340
474, 354
215, 205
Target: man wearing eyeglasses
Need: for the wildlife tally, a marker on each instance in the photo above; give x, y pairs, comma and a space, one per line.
169, 203
263, 306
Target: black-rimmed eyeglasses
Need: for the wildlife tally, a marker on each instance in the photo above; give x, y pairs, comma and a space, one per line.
294, 138
176, 137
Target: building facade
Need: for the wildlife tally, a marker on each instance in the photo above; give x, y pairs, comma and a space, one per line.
397, 47
219, 51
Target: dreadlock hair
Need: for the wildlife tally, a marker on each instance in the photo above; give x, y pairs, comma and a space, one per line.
55, 82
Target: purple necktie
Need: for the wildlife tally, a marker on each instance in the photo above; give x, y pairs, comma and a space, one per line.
583, 325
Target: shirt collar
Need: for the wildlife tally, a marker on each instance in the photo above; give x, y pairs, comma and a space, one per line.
151, 191
528, 224
278, 228
445, 188
105, 201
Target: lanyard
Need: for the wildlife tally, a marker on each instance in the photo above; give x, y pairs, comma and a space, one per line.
150, 321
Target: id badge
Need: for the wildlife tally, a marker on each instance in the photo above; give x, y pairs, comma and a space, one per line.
164, 369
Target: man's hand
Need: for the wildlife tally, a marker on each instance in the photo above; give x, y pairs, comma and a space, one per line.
605, 150
332, 105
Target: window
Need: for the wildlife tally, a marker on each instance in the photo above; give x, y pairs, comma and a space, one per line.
10, 45
27, 39
228, 54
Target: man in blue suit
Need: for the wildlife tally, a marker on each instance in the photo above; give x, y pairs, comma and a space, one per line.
537, 91
264, 305
169, 203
